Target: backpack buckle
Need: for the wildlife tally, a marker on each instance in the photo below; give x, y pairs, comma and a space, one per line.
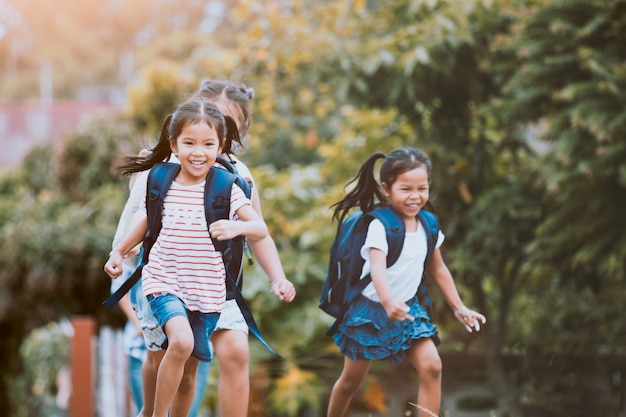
219, 203
227, 255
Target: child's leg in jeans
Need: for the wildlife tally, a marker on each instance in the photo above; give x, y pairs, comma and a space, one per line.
347, 385
424, 357
186, 390
201, 381
180, 345
232, 351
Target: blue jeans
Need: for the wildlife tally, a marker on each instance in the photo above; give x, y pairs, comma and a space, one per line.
201, 383
168, 306
135, 381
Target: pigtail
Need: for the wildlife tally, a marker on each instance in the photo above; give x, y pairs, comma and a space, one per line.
365, 193
232, 140
248, 91
161, 152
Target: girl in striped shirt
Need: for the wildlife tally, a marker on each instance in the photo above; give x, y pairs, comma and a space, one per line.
185, 277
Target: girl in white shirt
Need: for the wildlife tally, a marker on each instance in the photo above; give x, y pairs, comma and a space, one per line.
386, 321
230, 338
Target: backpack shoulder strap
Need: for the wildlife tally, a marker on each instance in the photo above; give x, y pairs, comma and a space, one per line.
246, 187
431, 226
394, 229
239, 180
160, 180
217, 194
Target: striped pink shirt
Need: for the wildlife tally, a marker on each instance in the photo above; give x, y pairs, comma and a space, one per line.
183, 260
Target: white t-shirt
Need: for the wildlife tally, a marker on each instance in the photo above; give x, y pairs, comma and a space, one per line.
405, 275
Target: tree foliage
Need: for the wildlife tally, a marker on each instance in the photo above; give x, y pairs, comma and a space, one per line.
570, 79
519, 104
56, 216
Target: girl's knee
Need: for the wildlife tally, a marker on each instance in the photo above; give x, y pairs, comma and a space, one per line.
430, 367
424, 356
233, 349
236, 353
349, 385
180, 347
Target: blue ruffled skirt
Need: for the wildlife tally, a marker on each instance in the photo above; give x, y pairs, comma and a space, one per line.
367, 332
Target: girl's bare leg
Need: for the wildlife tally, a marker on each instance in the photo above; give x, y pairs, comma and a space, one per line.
148, 376
186, 390
423, 355
180, 345
349, 382
233, 391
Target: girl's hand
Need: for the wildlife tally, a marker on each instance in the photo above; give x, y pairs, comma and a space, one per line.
469, 318
284, 290
113, 267
225, 229
397, 310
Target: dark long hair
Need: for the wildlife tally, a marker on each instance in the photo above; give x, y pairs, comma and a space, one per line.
368, 193
192, 111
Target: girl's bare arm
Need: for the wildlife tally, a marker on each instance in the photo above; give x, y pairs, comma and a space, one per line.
113, 267
442, 277
250, 224
396, 309
266, 253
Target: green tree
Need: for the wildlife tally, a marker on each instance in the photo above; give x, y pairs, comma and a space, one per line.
474, 83
572, 79
568, 79
55, 232
444, 67
155, 97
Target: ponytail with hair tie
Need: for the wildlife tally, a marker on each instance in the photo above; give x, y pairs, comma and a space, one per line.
231, 138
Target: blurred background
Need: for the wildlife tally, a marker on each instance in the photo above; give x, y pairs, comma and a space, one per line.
521, 105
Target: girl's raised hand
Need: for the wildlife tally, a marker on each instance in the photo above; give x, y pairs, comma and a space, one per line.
284, 290
469, 318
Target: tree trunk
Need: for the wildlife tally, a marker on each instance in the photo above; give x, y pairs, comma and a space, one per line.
11, 365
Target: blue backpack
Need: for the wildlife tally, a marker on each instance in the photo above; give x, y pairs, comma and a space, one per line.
217, 192
343, 283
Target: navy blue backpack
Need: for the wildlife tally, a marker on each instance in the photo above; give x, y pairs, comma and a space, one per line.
217, 192
343, 283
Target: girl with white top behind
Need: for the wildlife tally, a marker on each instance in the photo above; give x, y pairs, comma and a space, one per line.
187, 297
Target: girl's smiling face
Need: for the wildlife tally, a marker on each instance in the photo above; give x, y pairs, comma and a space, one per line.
197, 147
409, 192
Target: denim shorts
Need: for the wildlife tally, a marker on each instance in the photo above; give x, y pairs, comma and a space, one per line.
153, 335
167, 306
